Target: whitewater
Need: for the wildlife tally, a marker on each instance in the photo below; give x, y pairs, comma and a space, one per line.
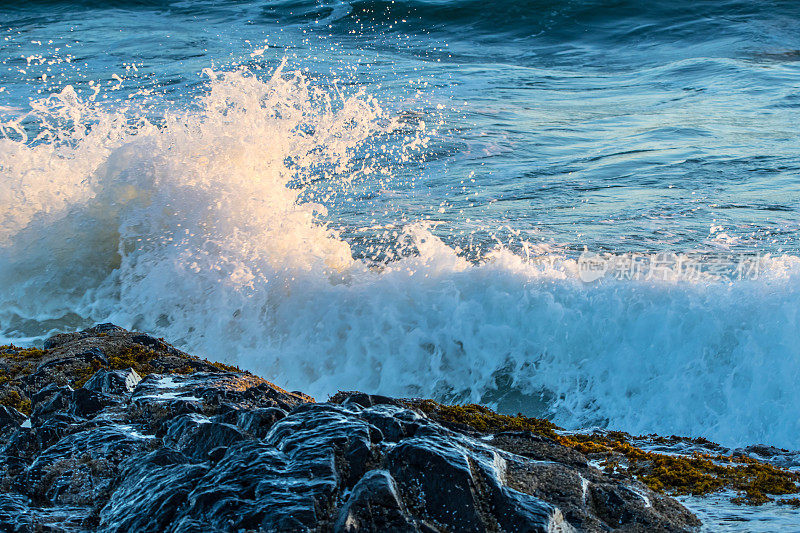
199, 227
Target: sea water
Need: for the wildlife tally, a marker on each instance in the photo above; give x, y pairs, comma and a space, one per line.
400, 197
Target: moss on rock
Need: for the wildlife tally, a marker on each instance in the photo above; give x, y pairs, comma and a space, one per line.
483, 419
697, 474
12, 398
73, 358
20, 354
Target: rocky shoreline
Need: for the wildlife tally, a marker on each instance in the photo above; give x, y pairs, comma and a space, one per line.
110, 430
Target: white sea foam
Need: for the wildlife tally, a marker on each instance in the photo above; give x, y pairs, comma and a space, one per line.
187, 230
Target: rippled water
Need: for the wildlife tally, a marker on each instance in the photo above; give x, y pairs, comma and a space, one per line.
605, 124
399, 206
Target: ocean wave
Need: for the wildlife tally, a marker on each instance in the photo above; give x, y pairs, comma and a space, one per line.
189, 229
763, 27
625, 20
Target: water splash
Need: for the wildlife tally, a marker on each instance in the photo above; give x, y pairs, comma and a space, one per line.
195, 227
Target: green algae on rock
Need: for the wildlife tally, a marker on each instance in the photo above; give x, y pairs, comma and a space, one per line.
73, 358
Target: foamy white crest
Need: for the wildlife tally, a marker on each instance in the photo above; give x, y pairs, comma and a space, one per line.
107, 209
187, 229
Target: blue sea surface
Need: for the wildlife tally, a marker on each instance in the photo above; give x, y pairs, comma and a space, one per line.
615, 125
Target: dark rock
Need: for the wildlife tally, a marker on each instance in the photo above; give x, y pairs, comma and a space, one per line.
560, 485
113, 381
374, 505
158, 388
92, 354
230, 389
195, 435
776, 456
59, 401
347, 439
10, 417
47, 392
64, 338
58, 340
217, 454
395, 423
15, 514
439, 480
248, 392
10, 421
18, 514
257, 422
199, 447
626, 508
539, 448
156, 344
248, 489
86, 403
27, 442
105, 328
153, 491
451, 484
349, 399
81, 468
60, 369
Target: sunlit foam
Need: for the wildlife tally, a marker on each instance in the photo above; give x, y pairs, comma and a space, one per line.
186, 228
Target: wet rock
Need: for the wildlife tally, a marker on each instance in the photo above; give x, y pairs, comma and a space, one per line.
216, 454
374, 505
160, 388
326, 435
57, 400
113, 381
81, 467
96, 331
10, 421
361, 399
214, 390
156, 344
26, 442
72, 359
539, 448
45, 393
10, 417
394, 423
196, 435
247, 391
89, 355
58, 369
86, 403
257, 422
19, 514
15, 513
194, 446
561, 485
153, 491
461, 486
248, 489
776, 456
